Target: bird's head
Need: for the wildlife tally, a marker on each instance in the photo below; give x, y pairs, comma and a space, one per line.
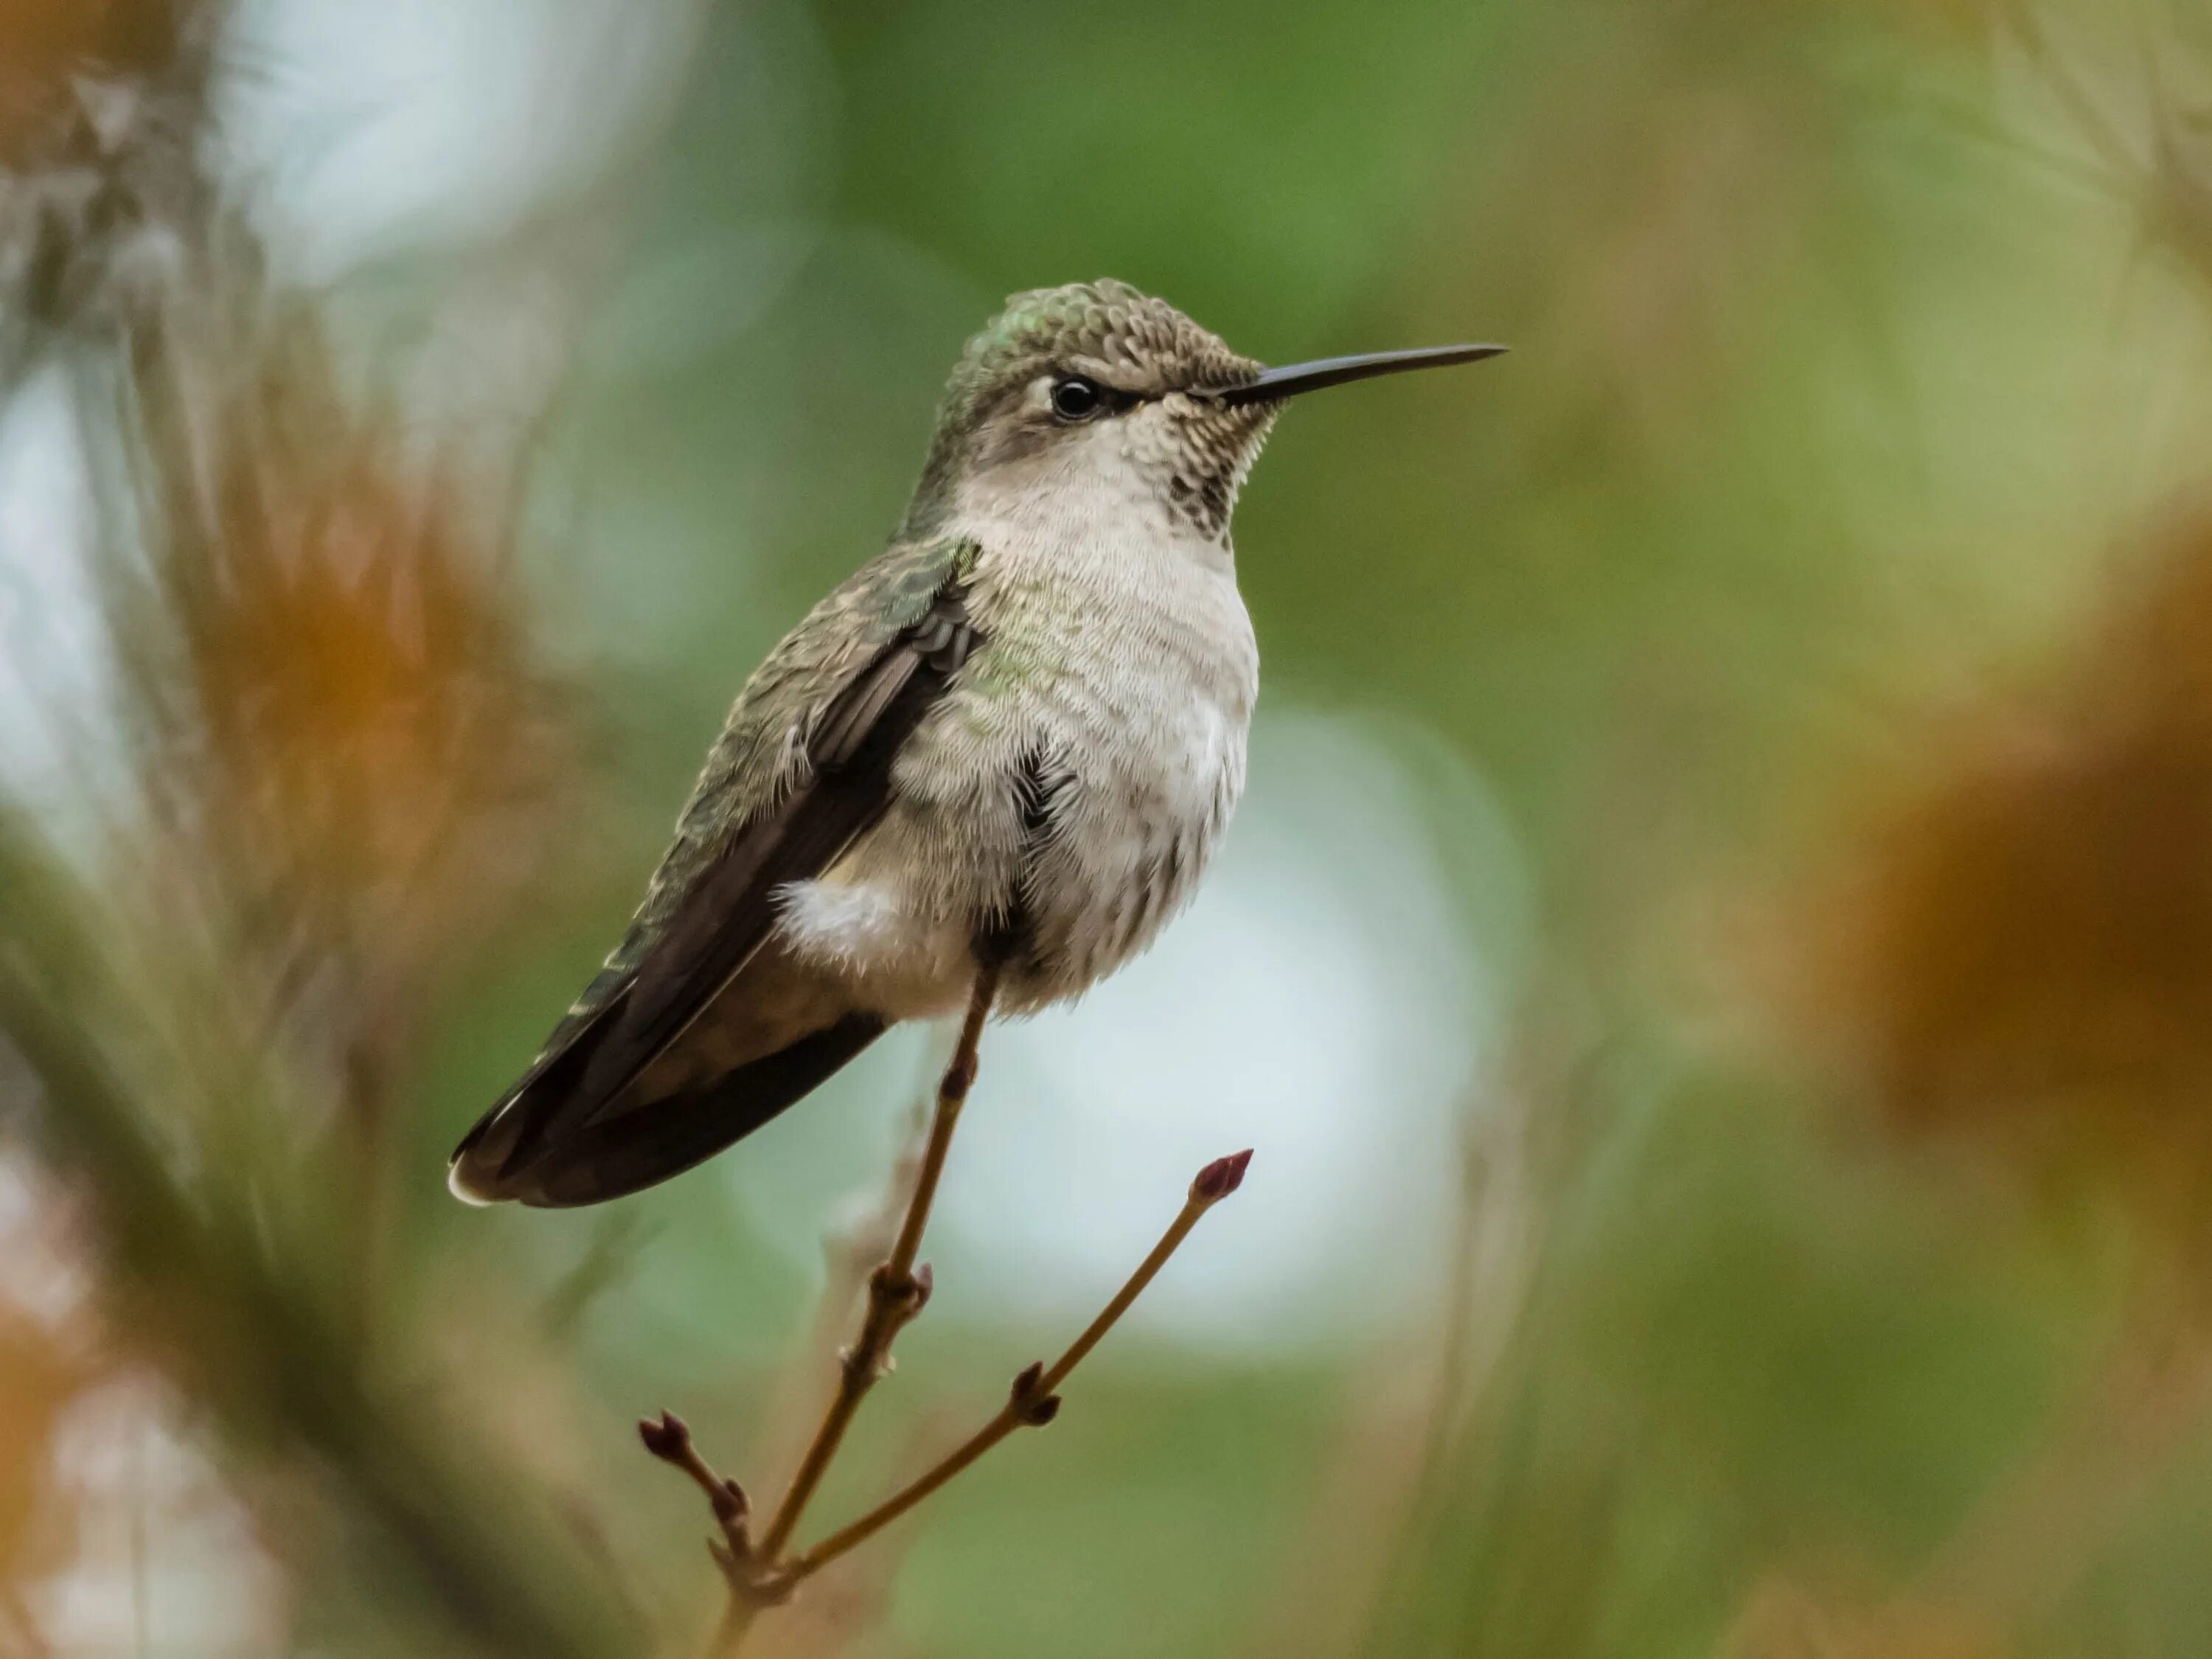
1096, 386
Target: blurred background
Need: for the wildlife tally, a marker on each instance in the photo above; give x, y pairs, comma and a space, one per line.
1716, 960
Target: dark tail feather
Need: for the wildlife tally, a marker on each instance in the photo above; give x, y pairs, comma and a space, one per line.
539, 1164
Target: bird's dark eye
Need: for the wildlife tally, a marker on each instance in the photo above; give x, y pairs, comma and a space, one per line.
1075, 398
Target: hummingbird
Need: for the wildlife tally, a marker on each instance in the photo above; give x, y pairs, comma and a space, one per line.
1006, 744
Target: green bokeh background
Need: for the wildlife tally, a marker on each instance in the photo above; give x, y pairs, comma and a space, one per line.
1847, 370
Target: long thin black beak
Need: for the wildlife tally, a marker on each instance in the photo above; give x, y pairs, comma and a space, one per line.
1288, 381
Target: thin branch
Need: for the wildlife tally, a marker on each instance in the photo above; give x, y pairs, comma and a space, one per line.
669, 1439
851, 1248
896, 1290
1034, 1400
758, 1573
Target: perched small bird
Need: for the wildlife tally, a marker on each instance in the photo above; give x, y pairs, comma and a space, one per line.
1009, 741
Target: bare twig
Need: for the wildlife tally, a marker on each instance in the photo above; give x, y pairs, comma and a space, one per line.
852, 1247
759, 1573
669, 1439
1034, 1400
896, 1290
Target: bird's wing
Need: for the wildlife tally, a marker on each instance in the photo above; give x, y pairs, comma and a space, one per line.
810, 743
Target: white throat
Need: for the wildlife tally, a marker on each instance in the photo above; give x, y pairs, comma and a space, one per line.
1113, 492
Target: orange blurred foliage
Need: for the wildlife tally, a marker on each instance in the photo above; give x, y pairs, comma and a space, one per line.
39, 1377
349, 727
2025, 953
51, 41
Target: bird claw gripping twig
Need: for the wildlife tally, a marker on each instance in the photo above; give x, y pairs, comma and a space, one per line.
759, 1572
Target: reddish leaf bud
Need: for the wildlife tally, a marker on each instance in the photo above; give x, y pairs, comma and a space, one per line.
730, 1503
959, 1078
1032, 1408
1220, 1178
668, 1438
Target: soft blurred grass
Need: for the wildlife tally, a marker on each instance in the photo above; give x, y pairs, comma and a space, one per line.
1818, 589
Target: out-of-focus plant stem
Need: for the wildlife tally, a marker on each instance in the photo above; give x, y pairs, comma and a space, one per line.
2038, 1531
280, 1373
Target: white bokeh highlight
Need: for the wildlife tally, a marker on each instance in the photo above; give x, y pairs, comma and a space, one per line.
378, 126
55, 690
